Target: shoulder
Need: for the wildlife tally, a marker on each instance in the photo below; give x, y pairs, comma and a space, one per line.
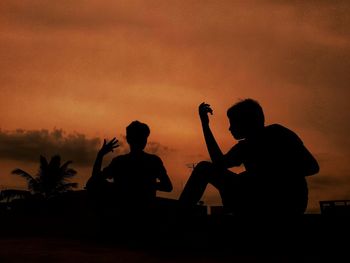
119, 159
282, 132
152, 157
278, 128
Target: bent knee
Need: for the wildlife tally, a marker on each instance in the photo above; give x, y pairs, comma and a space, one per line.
204, 166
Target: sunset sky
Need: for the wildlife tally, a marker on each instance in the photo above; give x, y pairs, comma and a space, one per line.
75, 72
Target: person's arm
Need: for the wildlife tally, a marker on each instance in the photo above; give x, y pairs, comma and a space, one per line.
214, 150
310, 165
164, 184
96, 176
300, 160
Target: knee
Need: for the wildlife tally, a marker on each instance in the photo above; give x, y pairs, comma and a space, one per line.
204, 166
203, 169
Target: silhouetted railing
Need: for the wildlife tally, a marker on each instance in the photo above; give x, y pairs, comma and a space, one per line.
335, 207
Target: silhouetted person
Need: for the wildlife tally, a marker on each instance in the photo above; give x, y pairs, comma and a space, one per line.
275, 159
136, 176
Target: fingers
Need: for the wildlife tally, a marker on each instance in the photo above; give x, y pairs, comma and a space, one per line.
205, 107
209, 109
113, 141
113, 144
110, 145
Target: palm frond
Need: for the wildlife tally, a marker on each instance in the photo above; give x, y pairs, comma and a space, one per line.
65, 165
55, 161
35, 186
43, 163
51, 177
69, 173
24, 174
66, 186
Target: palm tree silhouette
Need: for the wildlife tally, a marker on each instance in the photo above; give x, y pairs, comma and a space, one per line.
51, 179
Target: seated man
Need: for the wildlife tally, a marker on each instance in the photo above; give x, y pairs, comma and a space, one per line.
275, 159
136, 176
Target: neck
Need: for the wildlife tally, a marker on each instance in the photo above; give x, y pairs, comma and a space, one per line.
136, 151
255, 133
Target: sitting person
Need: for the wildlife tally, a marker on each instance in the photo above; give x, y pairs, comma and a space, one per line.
136, 176
275, 159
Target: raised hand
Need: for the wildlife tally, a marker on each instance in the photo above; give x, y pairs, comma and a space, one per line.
203, 110
109, 146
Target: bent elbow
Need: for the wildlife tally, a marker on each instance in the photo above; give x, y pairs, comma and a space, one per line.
316, 168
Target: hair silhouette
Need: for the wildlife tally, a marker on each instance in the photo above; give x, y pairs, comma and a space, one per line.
246, 116
137, 134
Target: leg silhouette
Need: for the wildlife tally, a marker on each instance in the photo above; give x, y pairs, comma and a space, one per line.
206, 173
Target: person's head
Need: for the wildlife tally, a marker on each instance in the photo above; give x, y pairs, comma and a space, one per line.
246, 118
137, 134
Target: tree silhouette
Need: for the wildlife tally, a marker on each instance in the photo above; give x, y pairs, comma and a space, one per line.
51, 179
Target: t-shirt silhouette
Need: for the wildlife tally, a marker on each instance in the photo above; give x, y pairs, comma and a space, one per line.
276, 163
135, 177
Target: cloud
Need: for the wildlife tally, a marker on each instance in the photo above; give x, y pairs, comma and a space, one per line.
28, 145
157, 148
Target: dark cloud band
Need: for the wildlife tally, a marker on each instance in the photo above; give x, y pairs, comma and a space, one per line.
28, 145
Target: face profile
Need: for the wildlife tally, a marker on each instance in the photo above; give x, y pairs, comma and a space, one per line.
236, 130
246, 118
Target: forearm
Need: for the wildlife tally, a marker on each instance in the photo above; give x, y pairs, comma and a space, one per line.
97, 176
214, 150
164, 185
96, 170
97, 165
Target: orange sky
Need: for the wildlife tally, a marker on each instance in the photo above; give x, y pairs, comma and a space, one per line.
88, 68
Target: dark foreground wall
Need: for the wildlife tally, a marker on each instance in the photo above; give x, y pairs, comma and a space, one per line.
168, 230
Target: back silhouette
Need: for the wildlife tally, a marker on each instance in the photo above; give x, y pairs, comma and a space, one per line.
136, 176
275, 159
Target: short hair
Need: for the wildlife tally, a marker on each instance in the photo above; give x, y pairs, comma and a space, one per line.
137, 129
248, 111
